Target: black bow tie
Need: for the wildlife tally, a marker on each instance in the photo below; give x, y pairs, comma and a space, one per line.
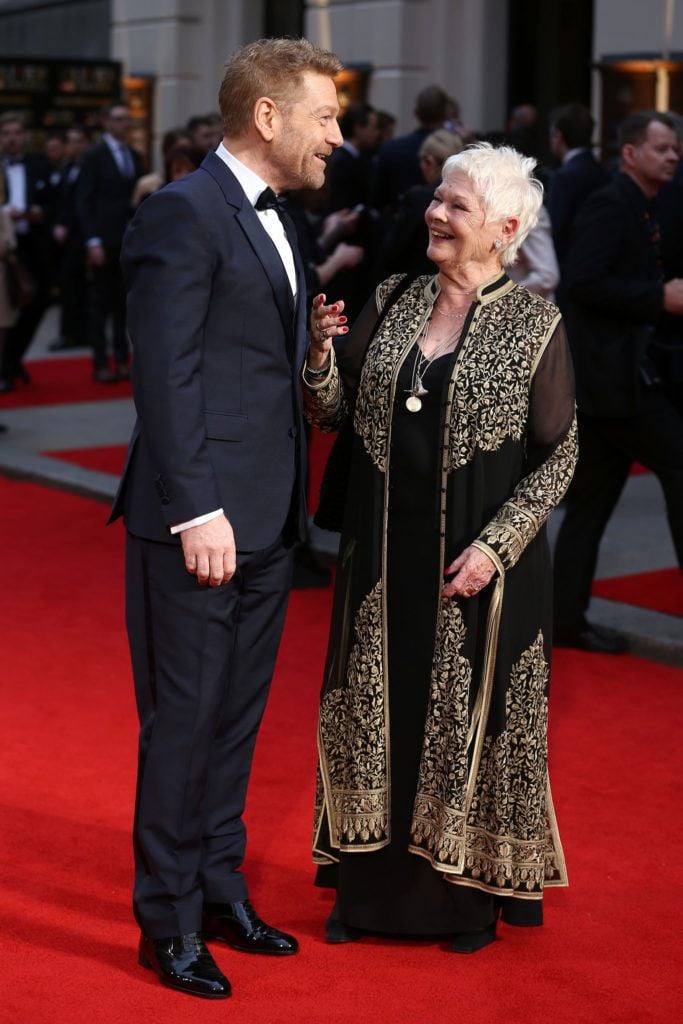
14, 161
267, 201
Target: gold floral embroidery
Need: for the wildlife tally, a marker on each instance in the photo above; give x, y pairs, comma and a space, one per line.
395, 335
491, 397
326, 408
518, 521
506, 841
352, 733
443, 773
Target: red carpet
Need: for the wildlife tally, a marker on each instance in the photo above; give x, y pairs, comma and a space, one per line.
609, 952
108, 459
661, 591
319, 446
54, 381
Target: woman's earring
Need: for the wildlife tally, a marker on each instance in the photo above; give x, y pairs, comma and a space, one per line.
497, 243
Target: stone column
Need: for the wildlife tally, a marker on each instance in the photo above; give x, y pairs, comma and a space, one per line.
458, 44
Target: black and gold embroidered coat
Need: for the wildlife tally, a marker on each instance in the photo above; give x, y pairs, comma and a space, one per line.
483, 813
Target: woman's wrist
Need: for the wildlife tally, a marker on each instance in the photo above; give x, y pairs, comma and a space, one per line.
318, 377
318, 361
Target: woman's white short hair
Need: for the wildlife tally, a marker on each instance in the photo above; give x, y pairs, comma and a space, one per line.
503, 180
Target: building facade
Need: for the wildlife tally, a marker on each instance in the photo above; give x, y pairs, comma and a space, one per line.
489, 54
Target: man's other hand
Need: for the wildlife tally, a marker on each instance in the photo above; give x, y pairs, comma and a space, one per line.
209, 551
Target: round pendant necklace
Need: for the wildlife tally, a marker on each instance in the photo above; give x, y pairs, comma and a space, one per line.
417, 390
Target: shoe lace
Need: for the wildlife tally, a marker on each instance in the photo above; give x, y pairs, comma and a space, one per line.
193, 943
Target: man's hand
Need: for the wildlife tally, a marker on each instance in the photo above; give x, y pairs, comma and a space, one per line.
209, 551
673, 296
473, 571
97, 257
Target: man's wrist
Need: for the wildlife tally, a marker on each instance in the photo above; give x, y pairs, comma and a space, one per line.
197, 521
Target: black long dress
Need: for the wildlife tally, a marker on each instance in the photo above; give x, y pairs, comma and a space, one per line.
391, 890
433, 808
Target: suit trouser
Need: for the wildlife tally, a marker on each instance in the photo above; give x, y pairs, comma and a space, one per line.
33, 255
203, 660
607, 447
73, 289
107, 297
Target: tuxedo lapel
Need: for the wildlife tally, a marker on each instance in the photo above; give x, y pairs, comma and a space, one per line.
257, 237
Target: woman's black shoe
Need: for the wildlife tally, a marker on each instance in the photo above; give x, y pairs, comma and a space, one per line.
183, 962
472, 942
337, 932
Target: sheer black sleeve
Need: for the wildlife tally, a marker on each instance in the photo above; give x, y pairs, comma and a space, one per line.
551, 454
327, 404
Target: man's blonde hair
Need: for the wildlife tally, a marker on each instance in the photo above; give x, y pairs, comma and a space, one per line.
268, 67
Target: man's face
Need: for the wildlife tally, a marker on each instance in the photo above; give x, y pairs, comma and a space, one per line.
12, 138
367, 136
205, 137
76, 144
117, 123
653, 162
54, 151
305, 135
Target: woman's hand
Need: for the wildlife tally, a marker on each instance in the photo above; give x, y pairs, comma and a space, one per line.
473, 571
327, 323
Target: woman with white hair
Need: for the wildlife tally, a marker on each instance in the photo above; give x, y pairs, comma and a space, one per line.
433, 810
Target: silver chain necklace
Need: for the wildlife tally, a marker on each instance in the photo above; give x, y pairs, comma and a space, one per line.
417, 390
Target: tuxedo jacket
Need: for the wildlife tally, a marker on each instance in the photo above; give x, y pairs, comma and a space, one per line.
571, 185
397, 167
615, 295
103, 195
348, 178
217, 352
39, 192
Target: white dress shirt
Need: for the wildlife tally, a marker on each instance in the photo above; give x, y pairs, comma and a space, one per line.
15, 175
253, 186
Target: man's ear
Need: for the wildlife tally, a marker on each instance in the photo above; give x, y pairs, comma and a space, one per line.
628, 152
265, 116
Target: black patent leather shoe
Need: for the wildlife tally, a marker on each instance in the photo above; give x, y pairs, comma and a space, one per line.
239, 925
472, 942
592, 639
183, 962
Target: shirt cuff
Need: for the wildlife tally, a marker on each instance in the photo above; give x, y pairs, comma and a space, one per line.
199, 521
91, 242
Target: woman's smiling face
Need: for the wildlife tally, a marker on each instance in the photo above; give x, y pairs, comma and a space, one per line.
458, 231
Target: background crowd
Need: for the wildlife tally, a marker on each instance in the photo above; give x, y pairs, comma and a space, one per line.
608, 248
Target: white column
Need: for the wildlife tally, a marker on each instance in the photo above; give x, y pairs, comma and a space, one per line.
184, 45
458, 44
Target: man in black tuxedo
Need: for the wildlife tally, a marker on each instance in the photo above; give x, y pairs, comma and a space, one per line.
617, 295
103, 208
29, 200
67, 235
579, 174
349, 175
212, 495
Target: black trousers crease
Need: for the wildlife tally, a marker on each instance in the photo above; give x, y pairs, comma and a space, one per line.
203, 660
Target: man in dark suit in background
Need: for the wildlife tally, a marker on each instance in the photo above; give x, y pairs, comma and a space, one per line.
349, 175
616, 296
103, 207
29, 200
398, 163
579, 174
67, 235
212, 495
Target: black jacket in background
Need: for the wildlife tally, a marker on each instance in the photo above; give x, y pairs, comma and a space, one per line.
571, 185
615, 293
103, 196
